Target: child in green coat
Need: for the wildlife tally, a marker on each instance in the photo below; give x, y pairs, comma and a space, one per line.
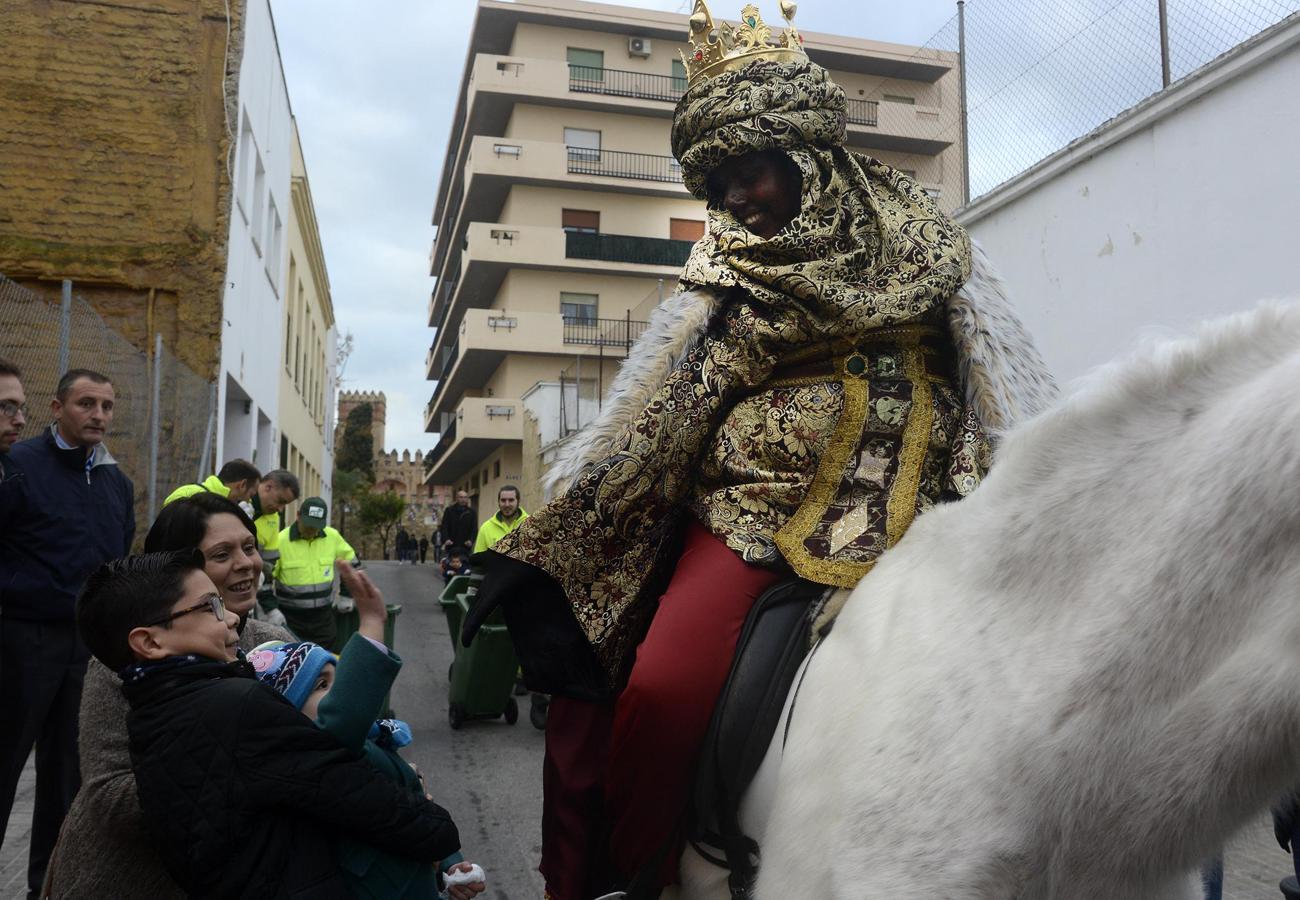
343, 695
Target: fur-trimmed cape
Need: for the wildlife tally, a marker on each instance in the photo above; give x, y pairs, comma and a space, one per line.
1002, 372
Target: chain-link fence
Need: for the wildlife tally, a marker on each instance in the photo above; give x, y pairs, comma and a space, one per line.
163, 419
1041, 73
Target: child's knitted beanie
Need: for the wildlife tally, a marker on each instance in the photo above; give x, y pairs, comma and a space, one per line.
290, 668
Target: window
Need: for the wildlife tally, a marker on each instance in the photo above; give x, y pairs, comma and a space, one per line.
586, 65
679, 76
585, 220
899, 98
496, 469
274, 245
686, 229
259, 204
247, 149
582, 143
579, 307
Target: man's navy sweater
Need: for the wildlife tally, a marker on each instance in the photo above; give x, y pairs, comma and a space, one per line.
59, 521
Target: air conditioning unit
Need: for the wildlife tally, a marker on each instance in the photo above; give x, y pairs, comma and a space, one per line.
638, 46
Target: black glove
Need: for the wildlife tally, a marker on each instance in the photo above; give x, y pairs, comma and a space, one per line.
1286, 816
553, 650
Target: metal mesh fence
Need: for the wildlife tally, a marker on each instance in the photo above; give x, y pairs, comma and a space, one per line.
162, 447
1041, 73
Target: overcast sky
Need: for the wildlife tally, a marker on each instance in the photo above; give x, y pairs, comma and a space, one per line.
373, 87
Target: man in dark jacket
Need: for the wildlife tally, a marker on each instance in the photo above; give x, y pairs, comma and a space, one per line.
67, 510
13, 409
459, 525
242, 794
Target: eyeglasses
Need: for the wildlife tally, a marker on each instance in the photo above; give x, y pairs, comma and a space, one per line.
10, 408
212, 603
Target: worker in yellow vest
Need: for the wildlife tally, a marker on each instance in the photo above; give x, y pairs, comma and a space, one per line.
509, 516
237, 481
274, 492
304, 573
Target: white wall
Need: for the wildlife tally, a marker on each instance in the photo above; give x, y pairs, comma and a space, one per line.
331, 406
1183, 209
255, 268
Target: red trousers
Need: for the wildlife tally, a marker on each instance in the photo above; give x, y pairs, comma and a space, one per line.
617, 777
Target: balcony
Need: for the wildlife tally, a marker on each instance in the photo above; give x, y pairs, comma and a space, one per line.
485, 336
621, 83
479, 425
491, 250
900, 127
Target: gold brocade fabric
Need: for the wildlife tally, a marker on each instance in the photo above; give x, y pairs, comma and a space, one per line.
825, 473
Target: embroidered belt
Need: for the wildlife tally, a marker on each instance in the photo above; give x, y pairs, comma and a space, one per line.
916, 354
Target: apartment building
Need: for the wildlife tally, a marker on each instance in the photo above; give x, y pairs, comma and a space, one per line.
562, 219
308, 351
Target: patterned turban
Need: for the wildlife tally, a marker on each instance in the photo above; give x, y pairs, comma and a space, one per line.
764, 106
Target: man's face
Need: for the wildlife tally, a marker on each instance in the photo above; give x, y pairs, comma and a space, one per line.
274, 497
198, 631
85, 415
462, 498
309, 532
761, 189
508, 501
13, 411
242, 490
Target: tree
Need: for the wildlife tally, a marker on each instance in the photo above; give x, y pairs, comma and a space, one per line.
357, 448
380, 514
349, 484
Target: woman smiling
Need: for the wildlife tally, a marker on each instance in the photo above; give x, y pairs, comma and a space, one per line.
103, 846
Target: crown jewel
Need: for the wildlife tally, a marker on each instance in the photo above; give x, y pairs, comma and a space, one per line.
715, 50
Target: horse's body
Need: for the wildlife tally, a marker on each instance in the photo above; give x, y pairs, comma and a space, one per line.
1080, 681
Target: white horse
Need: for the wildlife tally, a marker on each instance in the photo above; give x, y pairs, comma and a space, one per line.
1081, 680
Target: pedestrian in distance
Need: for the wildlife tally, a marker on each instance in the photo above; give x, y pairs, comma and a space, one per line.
424, 548
104, 844
459, 524
340, 694
304, 574
242, 795
70, 510
13, 409
237, 482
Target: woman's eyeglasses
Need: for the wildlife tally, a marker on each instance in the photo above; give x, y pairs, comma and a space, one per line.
212, 603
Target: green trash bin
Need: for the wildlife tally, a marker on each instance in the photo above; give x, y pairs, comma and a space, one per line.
450, 607
483, 674
347, 624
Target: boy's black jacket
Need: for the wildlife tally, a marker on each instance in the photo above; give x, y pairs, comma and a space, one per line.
242, 792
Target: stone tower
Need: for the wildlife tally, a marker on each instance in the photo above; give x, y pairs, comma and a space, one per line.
350, 400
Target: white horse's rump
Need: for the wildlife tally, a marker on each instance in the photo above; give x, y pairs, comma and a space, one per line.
1081, 680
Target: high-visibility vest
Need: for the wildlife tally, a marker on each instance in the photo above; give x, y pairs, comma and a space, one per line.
212, 484
494, 529
304, 573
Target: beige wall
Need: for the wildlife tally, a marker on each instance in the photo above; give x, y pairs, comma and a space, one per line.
548, 42
308, 317
619, 213
532, 290
500, 467
519, 371
633, 134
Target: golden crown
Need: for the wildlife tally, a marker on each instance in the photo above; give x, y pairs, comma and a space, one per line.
720, 49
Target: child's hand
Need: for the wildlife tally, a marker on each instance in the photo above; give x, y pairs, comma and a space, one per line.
465, 890
369, 600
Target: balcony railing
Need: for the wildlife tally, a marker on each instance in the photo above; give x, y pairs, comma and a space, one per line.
629, 248
621, 164
603, 332
445, 440
862, 112
449, 358
621, 83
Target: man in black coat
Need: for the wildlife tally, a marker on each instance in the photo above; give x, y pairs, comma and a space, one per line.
459, 525
67, 509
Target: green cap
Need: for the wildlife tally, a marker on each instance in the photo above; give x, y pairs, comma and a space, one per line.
314, 512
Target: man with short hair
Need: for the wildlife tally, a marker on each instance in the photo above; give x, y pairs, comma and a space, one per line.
13, 409
71, 510
237, 482
277, 489
304, 574
506, 519
459, 524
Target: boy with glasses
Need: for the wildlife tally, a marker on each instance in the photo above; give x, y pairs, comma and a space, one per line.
243, 795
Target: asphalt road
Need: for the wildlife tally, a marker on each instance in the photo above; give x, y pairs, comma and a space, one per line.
488, 774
